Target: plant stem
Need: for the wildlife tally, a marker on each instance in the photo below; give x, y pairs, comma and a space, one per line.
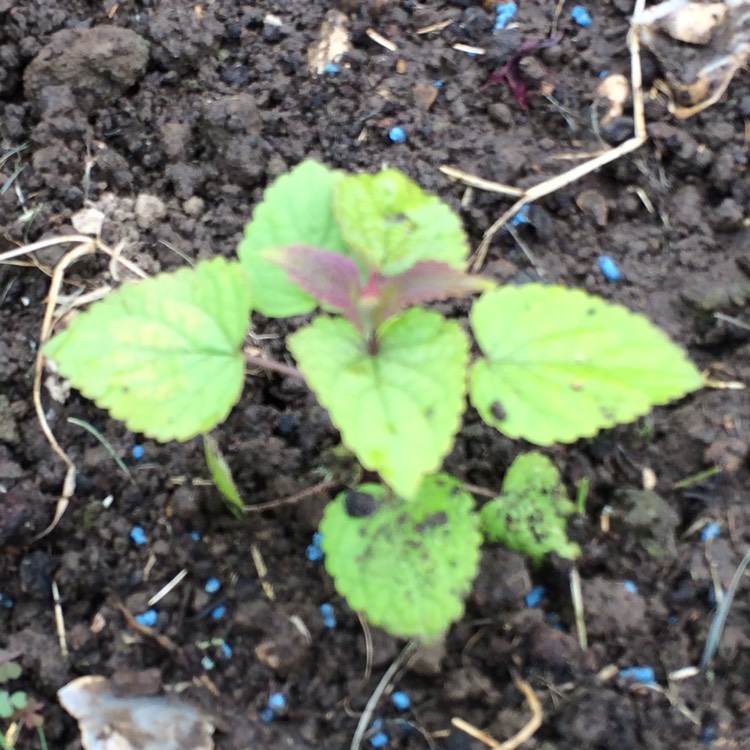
271, 365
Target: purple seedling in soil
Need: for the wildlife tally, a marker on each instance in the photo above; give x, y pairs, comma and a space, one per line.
510, 73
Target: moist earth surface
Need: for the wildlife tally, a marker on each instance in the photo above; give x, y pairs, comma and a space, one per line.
171, 118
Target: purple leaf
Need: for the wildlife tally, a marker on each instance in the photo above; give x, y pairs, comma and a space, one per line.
510, 74
423, 282
333, 279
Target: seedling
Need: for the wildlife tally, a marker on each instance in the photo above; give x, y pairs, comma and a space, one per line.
15, 706
367, 252
11, 702
530, 515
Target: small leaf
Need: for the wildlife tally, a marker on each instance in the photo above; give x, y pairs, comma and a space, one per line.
530, 515
392, 223
399, 408
162, 355
297, 209
19, 700
9, 671
6, 707
407, 565
331, 278
426, 281
560, 364
221, 475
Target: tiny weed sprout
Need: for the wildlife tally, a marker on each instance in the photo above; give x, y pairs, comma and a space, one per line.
10, 702
16, 707
364, 254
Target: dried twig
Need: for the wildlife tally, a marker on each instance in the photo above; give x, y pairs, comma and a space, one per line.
84, 246
520, 737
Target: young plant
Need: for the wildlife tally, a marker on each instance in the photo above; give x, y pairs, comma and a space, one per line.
164, 355
15, 705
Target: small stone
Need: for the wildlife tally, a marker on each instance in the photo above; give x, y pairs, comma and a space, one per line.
594, 205
175, 137
425, 95
617, 130
500, 113
727, 216
729, 453
185, 502
194, 206
8, 430
428, 660
149, 210
649, 518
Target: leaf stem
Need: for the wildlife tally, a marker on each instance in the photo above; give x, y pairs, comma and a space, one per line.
270, 365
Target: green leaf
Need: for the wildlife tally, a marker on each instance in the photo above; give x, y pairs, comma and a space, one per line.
409, 564
19, 700
9, 670
399, 408
297, 209
530, 515
560, 364
392, 223
162, 355
221, 475
6, 707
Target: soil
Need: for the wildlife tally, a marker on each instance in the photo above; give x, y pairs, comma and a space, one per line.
175, 142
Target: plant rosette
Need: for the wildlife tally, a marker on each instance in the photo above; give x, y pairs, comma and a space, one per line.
165, 356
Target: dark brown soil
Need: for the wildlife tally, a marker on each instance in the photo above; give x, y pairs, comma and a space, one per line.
224, 102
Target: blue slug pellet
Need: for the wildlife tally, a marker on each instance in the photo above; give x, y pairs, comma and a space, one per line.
148, 618
710, 531
212, 586
644, 675
329, 618
397, 134
580, 15
138, 535
609, 268
400, 701
504, 12
277, 702
535, 596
